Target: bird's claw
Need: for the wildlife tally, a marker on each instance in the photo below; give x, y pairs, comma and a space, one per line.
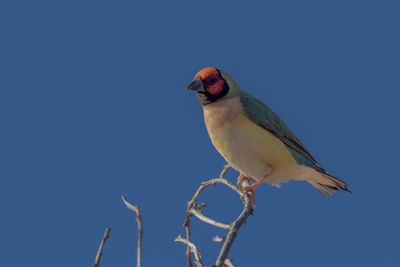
252, 188
253, 194
241, 180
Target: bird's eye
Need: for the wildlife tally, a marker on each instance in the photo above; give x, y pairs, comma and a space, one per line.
212, 80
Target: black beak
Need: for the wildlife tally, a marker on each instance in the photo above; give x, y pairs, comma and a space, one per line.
196, 85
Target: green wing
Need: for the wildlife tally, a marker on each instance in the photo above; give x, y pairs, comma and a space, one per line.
262, 115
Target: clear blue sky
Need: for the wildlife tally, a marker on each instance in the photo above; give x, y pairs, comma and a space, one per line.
93, 105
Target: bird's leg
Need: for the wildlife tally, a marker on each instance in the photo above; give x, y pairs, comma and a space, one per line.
241, 179
253, 188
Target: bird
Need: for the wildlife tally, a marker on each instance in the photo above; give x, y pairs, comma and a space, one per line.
253, 139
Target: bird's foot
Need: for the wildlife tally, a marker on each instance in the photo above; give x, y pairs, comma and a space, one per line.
252, 188
241, 179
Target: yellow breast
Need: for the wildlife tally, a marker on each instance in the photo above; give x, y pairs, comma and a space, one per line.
246, 146
243, 135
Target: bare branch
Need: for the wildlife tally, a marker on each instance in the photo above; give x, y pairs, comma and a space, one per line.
192, 248
192, 210
228, 263
191, 204
218, 239
188, 253
196, 211
221, 181
230, 238
136, 209
100, 251
224, 171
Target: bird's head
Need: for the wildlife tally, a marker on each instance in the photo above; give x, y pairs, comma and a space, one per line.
212, 84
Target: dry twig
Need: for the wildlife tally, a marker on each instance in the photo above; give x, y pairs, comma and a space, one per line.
218, 239
100, 251
228, 263
192, 248
140, 228
224, 171
189, 213
230, 238
195, 209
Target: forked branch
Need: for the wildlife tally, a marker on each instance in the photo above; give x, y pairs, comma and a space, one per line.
195, 209
192, 248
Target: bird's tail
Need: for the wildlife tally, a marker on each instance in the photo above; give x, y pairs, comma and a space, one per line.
326, 184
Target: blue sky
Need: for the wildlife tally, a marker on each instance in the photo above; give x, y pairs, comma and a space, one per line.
93, 106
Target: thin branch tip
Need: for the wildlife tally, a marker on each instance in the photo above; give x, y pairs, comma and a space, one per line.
100, 250
218, 239
136, 209
224, 170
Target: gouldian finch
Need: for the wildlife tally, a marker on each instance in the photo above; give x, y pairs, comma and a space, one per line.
253, 139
